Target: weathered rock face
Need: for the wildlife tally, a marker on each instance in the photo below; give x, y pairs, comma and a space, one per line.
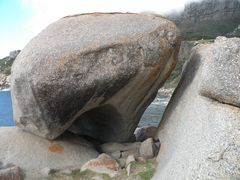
185, 50
96, 72
200, 130
10, 173
221, 78
148, 149
33, 154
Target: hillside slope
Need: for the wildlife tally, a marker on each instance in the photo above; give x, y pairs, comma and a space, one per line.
208, 19
6, 63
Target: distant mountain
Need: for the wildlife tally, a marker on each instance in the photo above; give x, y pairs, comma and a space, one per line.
208, 19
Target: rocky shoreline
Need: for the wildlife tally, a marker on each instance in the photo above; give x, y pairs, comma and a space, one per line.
4, 81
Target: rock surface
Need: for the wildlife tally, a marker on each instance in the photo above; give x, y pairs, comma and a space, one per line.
103, 164
185, 50
11, 173
221, 78
130, 159
94, 72
144, 133
148, 149
32, 153
200, 135
121, 150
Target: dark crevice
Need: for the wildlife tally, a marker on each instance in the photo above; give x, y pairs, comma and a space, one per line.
103, 124
218, 101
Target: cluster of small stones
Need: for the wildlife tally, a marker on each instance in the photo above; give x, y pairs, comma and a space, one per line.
116, 159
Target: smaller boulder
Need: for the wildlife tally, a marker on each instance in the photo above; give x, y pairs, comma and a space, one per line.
120, 150
102, 164
32, 153
47, 171
113, 147
135, 152
148, 149
130, 159
143, 133
128, 169
11, 173
141, 159
116, 154
122, 162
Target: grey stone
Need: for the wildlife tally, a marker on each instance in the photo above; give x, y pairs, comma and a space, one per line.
122, 162
128, 169
33, 153
199, 135
221, 78
116, 154
66, 171
112, 147
11, 173
130, 159
185, 50
97, 178
94, 72
134, 152
45, 172
148, 149
141, 159
144, 133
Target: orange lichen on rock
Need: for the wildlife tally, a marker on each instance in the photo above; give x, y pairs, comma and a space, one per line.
56, 148
102, 164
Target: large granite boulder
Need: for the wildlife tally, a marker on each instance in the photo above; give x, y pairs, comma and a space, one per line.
200, 130
95, 72
33, 154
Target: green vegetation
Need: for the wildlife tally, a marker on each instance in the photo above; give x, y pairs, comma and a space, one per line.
5, 65
139, 170
175, 76
208, 29
145, 170
77, 174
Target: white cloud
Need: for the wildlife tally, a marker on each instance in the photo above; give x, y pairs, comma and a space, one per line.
48, 11
45, 12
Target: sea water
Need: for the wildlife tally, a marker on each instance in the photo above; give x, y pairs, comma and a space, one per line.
154, 112
151, 116
6, 117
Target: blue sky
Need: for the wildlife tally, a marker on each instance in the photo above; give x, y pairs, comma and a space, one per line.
12, 31
21, 20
